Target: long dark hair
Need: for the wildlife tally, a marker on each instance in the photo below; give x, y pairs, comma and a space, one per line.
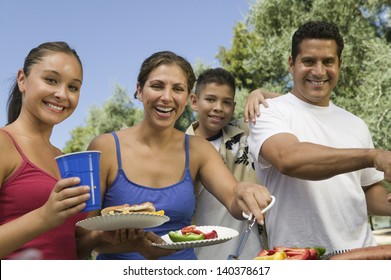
35, 56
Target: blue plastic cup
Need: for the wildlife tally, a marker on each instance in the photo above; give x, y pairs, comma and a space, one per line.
86, 166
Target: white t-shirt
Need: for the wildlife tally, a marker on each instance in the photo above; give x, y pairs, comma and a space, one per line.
331, 213
217, 214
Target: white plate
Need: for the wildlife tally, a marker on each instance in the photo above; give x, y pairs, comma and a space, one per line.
119, 221
224, 234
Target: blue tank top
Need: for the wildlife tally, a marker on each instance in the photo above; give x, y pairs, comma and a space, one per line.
177, 201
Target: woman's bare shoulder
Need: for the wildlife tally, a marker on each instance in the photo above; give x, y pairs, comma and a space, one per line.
104, 143
197, 141
201, 147
9, 156
101, 141
6, 144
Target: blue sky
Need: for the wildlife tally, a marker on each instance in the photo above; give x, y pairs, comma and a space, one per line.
112, 39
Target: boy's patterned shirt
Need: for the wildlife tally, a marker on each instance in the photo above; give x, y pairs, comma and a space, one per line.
234, 150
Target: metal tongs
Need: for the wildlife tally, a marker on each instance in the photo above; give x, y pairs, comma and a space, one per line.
244, 236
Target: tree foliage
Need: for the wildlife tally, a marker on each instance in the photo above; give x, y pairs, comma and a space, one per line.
116, 113
258, 57
261, 46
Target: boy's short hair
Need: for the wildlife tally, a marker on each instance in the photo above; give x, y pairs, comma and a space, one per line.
219, 76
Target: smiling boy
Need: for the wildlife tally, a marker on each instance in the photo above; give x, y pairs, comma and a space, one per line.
214, 102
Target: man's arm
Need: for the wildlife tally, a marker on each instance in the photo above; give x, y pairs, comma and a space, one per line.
310, 161
378, 200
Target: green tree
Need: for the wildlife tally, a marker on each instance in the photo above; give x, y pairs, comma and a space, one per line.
185, 119
261, 47
117, 113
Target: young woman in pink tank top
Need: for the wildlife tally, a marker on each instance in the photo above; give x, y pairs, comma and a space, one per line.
38, 211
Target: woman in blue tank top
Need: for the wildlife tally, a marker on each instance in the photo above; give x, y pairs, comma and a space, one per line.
155, 162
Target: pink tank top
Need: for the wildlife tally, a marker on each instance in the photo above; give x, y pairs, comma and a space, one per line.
25, 190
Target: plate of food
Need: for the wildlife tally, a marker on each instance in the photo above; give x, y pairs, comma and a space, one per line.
124, 216
196, 236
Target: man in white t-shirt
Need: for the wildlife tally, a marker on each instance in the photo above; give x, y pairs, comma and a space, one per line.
317, 159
